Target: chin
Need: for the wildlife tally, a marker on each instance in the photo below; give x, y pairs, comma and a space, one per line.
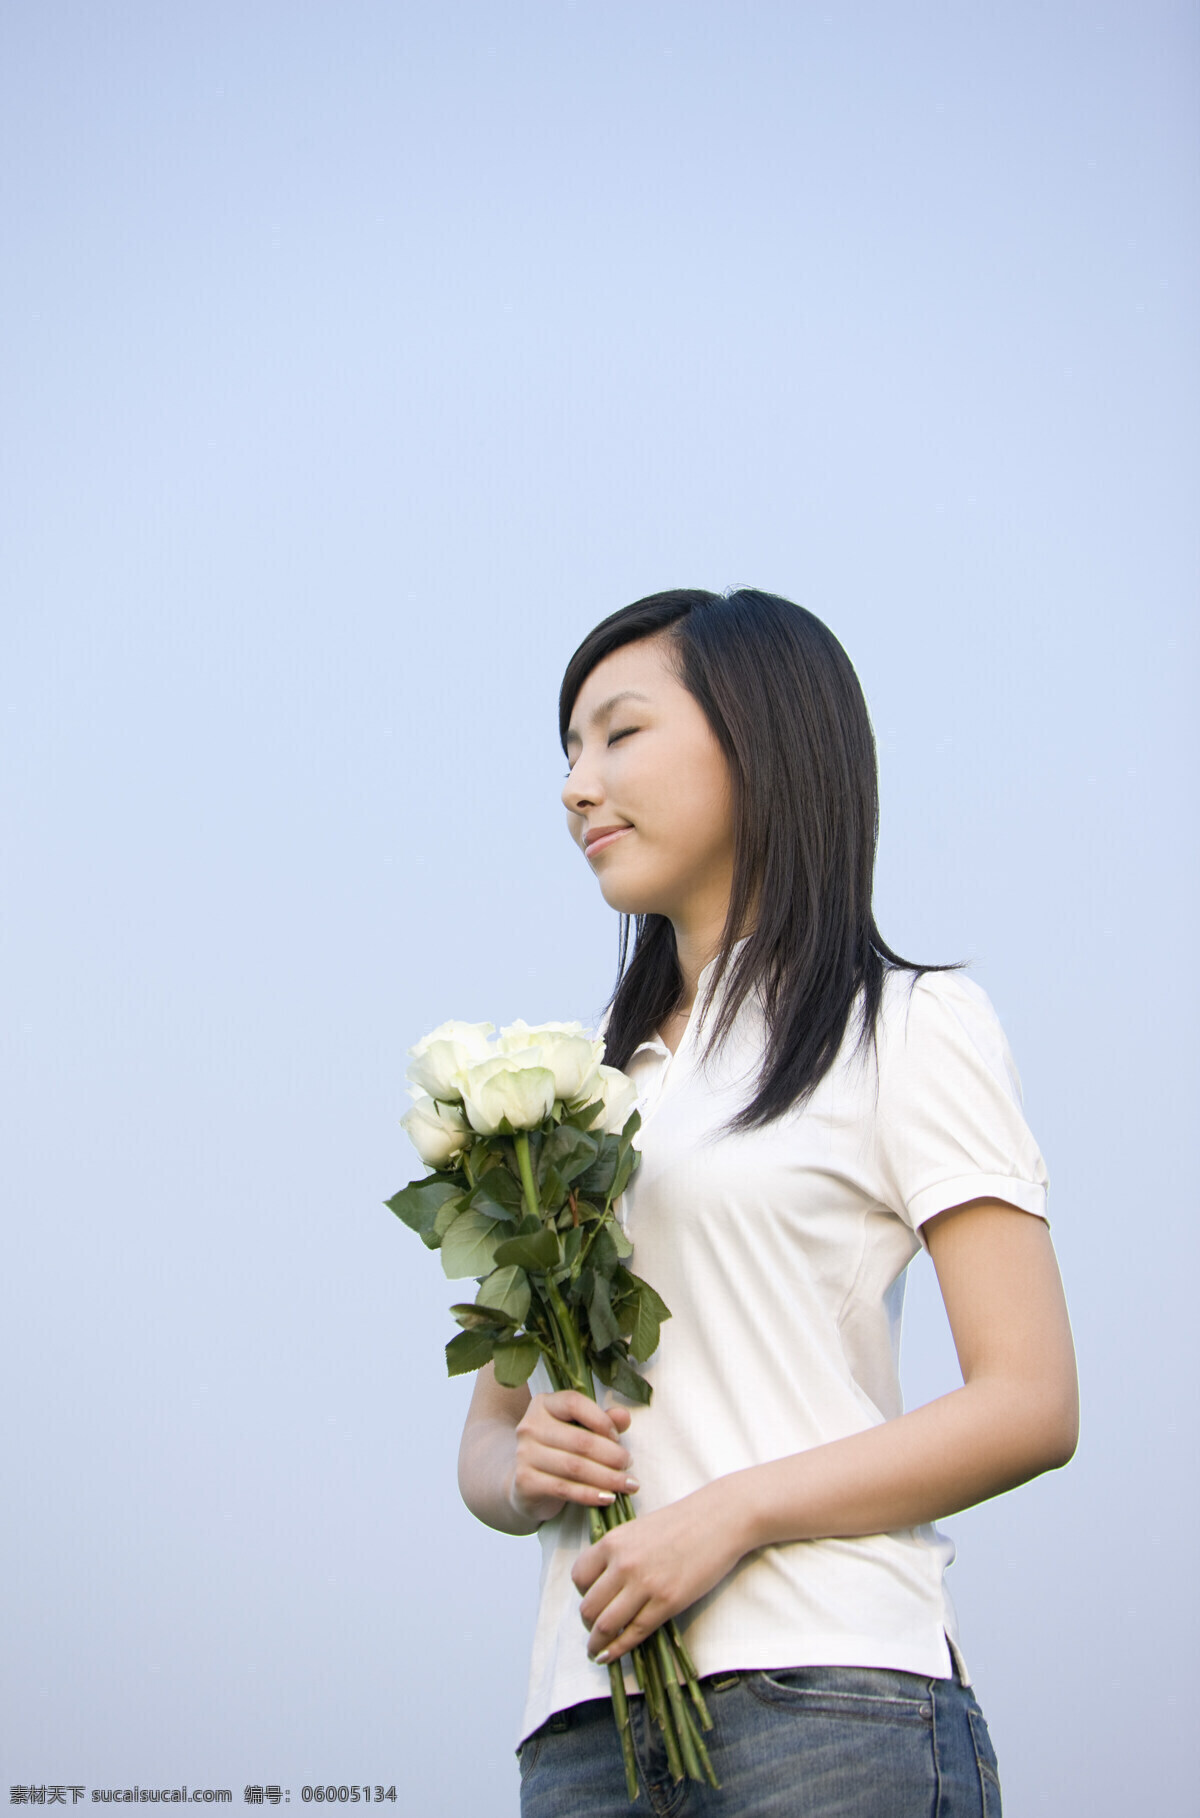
621, 900
626, 898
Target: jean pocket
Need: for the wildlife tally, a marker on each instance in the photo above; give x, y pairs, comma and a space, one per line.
529, 1750
840, 1693
985, 1756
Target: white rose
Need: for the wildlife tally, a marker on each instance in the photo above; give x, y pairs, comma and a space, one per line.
571, 1055
444, 1052
436, 1131
515, 1086
620, 1098
522, 1034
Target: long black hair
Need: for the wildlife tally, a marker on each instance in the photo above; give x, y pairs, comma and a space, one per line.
783, 701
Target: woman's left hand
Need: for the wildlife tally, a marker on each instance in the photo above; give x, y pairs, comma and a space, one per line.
648, 1570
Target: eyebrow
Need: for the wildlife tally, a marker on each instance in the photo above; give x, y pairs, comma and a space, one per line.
606, 707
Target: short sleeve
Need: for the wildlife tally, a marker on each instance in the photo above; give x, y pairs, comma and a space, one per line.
949, 1120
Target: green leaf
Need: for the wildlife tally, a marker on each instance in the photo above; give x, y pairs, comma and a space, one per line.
500, 1185
586, 1114
566, 1152
625, 1168
506, 1190
447, 1215
418, 1204
552, 1188
620, 1239
600, 1315
538, 1251
468, 1351
633, 1124
469, 1244
507, 1291
603, 1253
514, 1361
597, 1179
624, 1308
482, 1200
451, 1177
480, 1319
650, 1312
626, 1381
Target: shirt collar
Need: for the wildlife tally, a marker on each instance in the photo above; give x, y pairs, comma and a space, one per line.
654, 1043
733, 953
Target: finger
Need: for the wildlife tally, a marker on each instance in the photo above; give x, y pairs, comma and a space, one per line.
574, 1442
588, 1567
563, 1436
569, 1404
534, 1485
580, 1468
584, 1467
627, 1620
586, 1413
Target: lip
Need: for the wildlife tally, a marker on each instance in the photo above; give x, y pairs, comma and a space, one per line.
599, 837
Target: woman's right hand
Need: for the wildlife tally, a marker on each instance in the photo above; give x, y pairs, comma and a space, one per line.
568, 1450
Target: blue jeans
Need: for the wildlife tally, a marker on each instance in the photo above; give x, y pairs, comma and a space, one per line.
798, 1742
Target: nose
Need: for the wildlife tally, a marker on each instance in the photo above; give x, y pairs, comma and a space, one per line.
582, 789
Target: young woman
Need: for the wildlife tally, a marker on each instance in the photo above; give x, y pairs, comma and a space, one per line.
814, 1110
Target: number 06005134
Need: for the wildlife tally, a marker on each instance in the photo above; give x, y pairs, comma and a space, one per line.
343, 1795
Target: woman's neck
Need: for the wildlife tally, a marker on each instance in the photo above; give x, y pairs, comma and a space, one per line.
692, 961
696, 943
694, 949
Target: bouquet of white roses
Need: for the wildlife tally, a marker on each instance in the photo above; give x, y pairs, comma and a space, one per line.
530, 1143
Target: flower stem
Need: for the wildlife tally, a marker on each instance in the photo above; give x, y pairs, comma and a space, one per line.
532, 1201
616, 1682
665, 1712
661, 1662
690, 1675
625, 1511
683, 1727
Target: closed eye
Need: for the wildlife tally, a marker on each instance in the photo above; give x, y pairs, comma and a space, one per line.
623, 734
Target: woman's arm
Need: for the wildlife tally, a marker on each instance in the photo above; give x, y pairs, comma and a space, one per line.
1015, 1417
522, 1456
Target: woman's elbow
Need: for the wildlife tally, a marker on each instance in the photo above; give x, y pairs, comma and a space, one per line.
1068, 1440
1033, 1424
1054, 1429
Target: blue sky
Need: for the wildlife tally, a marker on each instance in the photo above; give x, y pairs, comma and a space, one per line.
355, 362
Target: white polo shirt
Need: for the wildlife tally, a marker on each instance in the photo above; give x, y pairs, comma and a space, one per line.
781, 1254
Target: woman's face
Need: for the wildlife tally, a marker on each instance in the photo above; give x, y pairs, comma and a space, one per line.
648, 796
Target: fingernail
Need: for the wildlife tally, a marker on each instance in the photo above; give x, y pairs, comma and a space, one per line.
631, 1483
602, 1659
606, 1495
